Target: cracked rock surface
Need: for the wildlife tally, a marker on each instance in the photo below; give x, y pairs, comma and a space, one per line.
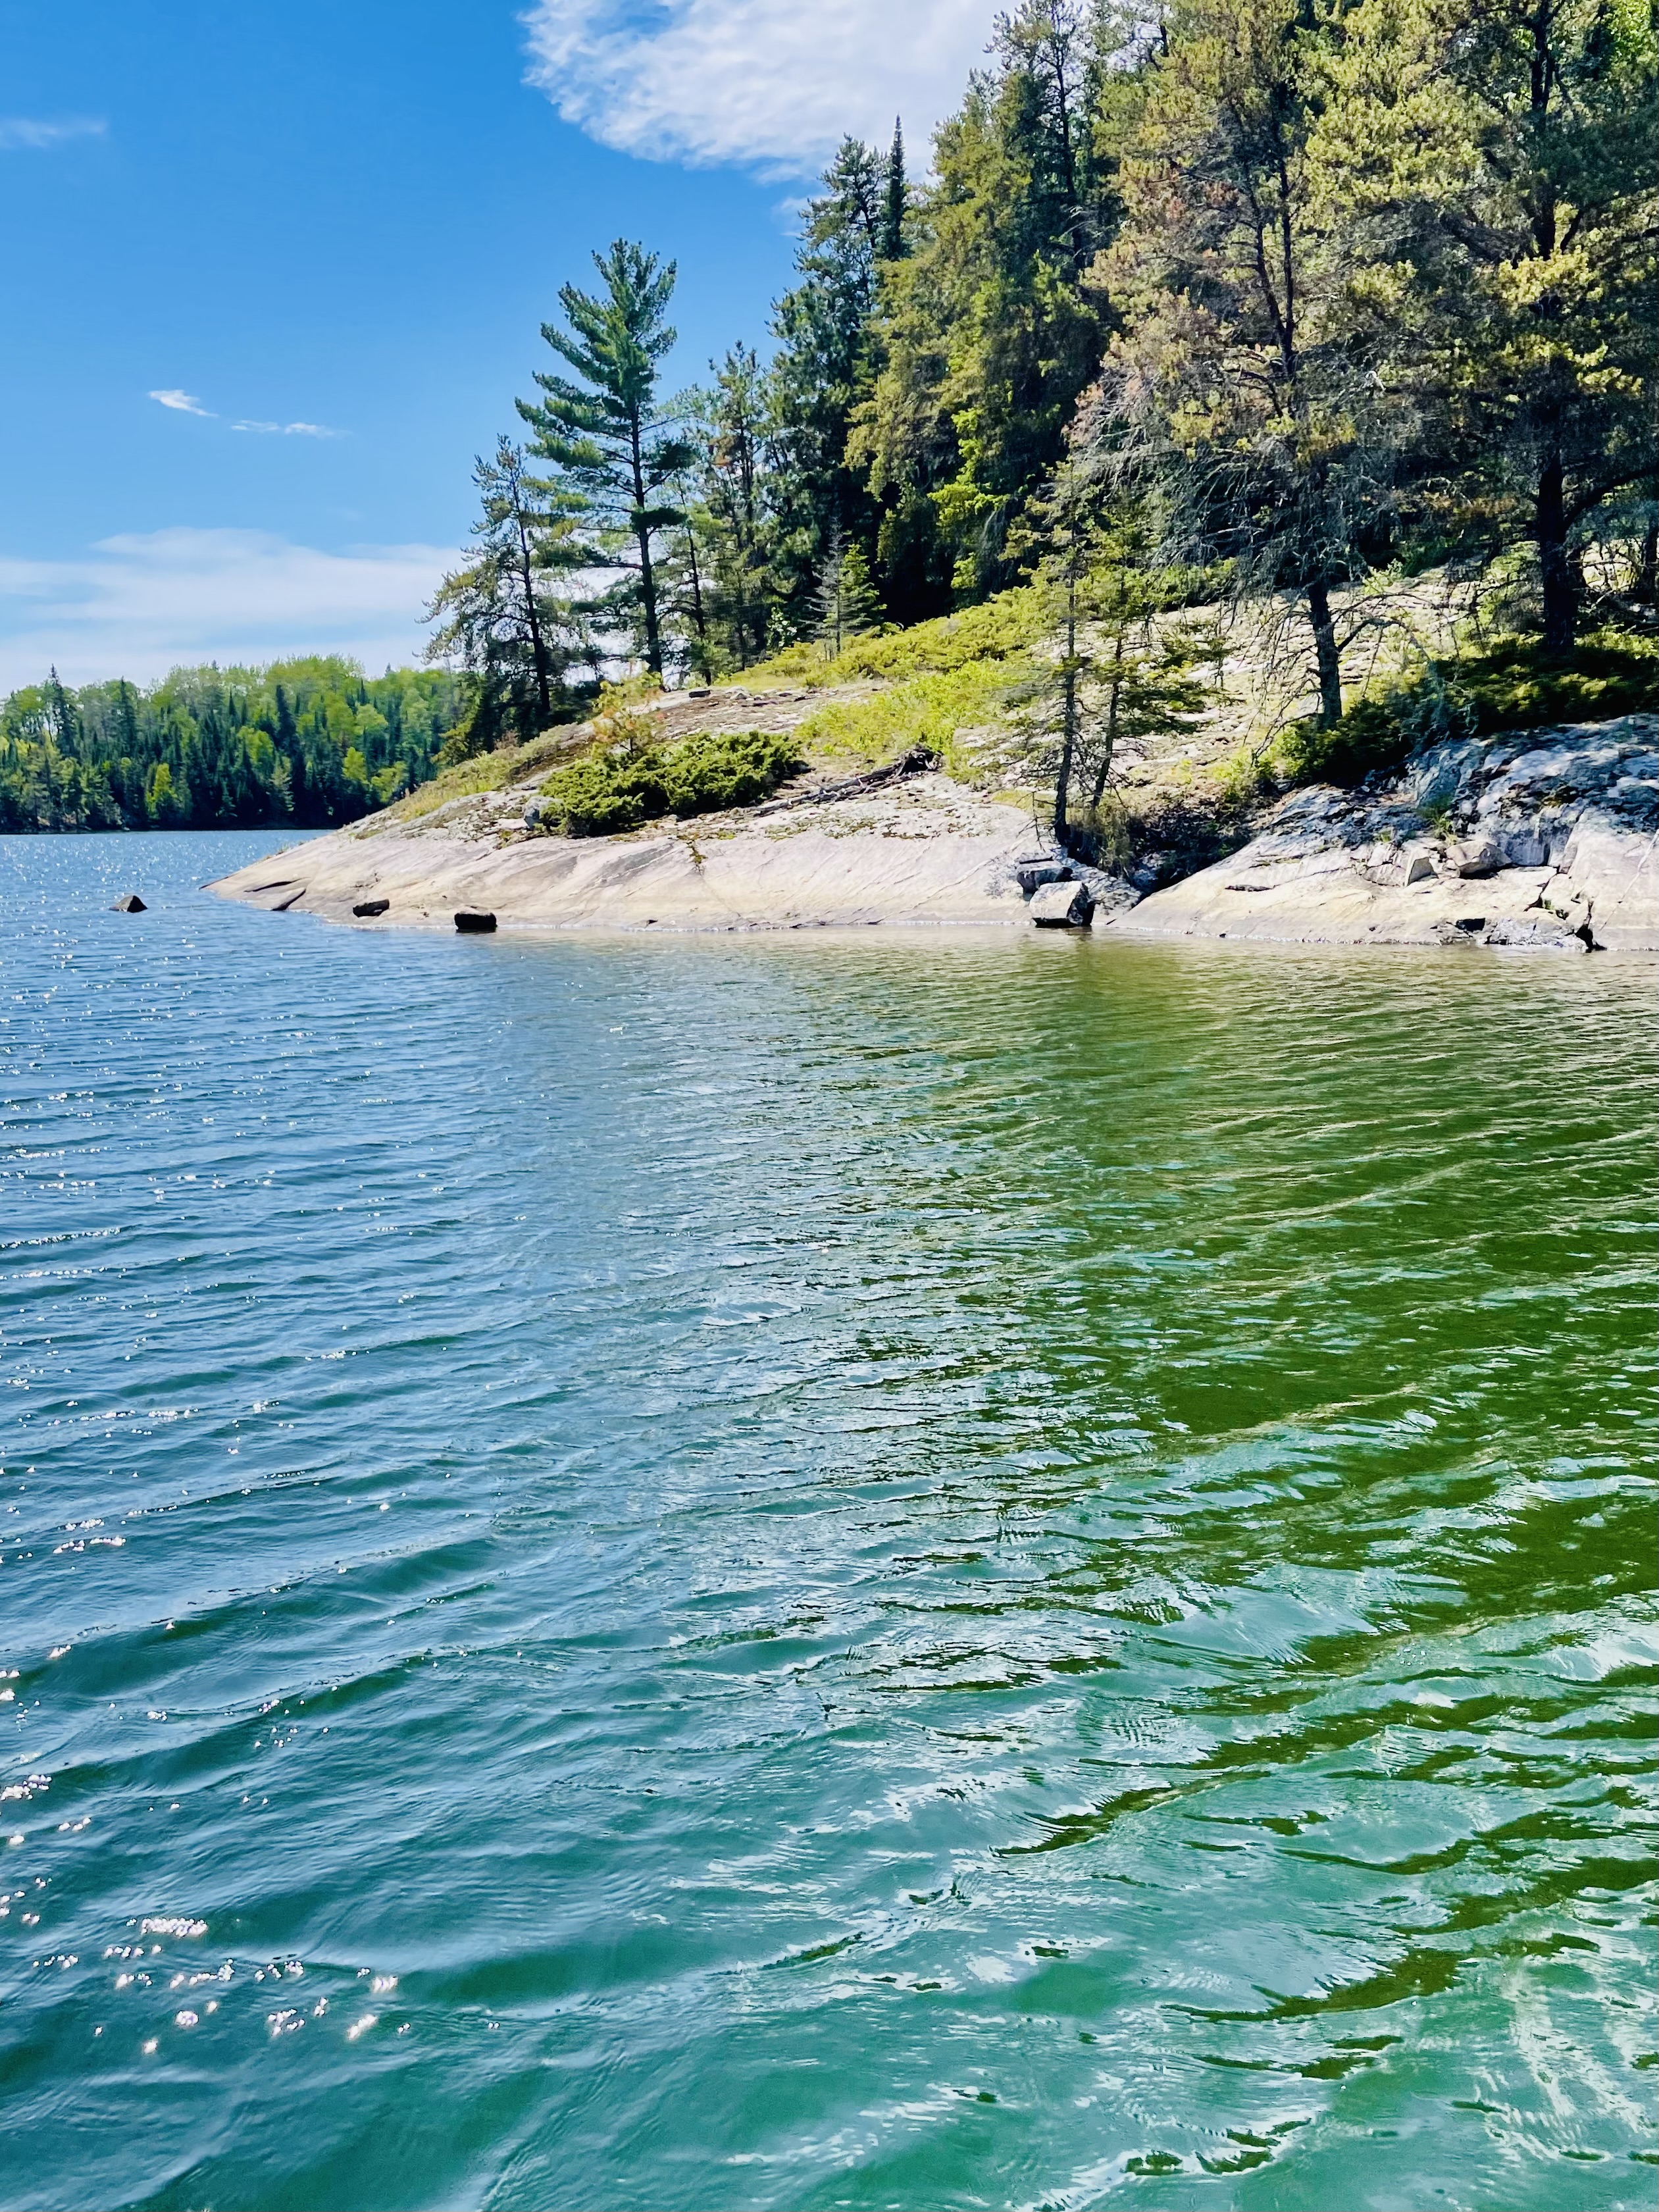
1539, 840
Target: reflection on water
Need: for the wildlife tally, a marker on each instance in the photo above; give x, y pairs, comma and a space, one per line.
943, 1571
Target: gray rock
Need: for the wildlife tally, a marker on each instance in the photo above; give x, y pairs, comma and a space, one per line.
1526, 934
1063, 906
1416, 868
1031, 875
1478, 856
471, 924
130, 902
1523, 848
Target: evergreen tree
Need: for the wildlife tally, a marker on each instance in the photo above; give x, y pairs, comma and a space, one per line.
611, 446
989, 328
1491, 169
896, 199
732, 444
824, 327
1238, 395
500, 615
844, 599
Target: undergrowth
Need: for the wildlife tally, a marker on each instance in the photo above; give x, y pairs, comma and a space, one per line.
634, 780
932, 710
1003, 627
1513, 685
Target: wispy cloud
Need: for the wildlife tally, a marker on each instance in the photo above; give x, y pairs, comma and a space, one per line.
183, 403
139, 605
776, 84
287, 429
37, 134
186, 403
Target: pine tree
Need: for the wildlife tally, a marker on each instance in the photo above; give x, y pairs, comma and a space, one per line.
1491, 169
896, 199
499, 614
824, 325
611, 445
1238, 398
843, 596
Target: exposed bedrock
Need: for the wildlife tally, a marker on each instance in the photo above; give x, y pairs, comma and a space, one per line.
1542, 840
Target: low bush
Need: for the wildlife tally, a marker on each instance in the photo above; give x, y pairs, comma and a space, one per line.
632, 781
1512, 685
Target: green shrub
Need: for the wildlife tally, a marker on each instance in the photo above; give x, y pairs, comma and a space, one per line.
1512, 685
622, 786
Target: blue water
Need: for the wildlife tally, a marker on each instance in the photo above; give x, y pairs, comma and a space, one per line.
930, 1571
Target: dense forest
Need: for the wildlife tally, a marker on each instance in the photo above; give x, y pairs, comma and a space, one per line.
311, 742
1245, 299
1266, 297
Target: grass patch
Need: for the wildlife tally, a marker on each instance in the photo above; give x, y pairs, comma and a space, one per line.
928, 710
633, 780
1512, 685
1001, 628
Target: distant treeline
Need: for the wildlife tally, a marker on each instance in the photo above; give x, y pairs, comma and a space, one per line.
312, 742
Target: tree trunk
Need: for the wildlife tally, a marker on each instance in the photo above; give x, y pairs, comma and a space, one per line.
1068, 727
1325, 652
538, 643
705, 666
1554, 564
1647, 568
1110, 746
647, 574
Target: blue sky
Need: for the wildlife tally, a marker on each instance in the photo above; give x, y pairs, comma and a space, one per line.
334, 229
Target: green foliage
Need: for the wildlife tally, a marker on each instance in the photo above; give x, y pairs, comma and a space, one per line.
930, 710
1007, 625
312, 742
502, 616
614, 450
1513, 685
632, 780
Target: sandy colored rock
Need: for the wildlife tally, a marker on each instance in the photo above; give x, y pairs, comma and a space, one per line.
927, 851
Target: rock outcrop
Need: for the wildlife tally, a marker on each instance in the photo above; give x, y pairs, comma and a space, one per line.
918, 848
1539, 841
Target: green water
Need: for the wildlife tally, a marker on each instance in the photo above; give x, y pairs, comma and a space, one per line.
911, 1571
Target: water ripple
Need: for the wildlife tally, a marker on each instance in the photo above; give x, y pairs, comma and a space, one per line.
742, 1572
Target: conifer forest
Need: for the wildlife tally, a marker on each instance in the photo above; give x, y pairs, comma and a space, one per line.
1226, 298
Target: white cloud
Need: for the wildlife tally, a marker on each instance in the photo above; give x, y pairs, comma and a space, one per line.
774, 82
37, 134
139, 605
183, 403
285, 429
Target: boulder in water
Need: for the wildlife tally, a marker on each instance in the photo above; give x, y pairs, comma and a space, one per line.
1063, 906
130, 903
472, 924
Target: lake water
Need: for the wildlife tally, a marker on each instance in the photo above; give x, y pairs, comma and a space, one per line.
914, 1570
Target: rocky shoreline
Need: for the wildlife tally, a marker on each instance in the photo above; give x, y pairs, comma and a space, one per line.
1540, 841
